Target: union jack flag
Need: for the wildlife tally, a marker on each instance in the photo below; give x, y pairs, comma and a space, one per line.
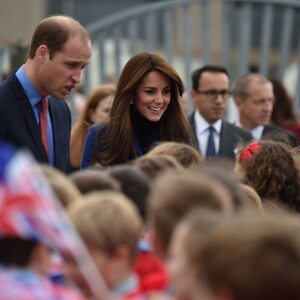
29, 209
27, 203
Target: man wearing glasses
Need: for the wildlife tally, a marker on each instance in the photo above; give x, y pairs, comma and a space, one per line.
210, 94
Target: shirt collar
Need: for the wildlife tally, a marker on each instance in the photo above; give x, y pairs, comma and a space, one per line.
31, 92
202, 125
256, 131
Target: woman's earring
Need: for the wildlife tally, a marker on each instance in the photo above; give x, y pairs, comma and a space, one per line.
131, 102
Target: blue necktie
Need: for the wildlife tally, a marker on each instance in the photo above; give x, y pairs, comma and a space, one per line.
211, 149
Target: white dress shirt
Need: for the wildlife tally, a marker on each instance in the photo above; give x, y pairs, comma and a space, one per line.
202, 132
256, 131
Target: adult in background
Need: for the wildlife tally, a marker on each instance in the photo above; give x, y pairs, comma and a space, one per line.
145, 110
32, 111
283, 114
254, 98
97, 109
210, 94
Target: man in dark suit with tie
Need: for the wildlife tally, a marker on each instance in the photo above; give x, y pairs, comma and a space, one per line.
210, 94
254, 98
60, 48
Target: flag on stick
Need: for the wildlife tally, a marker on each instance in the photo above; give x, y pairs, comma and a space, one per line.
29, 209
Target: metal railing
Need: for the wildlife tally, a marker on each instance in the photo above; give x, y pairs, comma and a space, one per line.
241, 35
1, 61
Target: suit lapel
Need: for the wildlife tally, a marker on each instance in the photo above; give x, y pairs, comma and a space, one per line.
226, 140
266, 130
191, 119
26, 109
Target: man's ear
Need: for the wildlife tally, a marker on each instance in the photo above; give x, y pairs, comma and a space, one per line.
42, 53
194, 95
238, 102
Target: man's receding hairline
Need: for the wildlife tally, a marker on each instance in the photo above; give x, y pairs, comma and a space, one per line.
255, 78
67, 22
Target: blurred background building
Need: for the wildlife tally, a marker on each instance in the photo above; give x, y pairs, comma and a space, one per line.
243, 35
18, 18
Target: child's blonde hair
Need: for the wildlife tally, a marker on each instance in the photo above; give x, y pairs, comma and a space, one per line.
107, 220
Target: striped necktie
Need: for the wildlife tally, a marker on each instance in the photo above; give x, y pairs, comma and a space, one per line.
43, 123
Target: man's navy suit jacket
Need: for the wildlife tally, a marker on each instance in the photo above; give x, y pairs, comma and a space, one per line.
230, 137
19, 127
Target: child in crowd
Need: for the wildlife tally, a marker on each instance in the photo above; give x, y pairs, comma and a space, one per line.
155, 165
185, 154
24, 267
252, 256
271, 169
110, 226
175, 195
199, 223
92, 180
32, 227
135, 184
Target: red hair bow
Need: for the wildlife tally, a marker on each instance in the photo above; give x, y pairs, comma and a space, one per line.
247, 152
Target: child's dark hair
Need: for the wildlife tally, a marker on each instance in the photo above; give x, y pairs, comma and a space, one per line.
15, 251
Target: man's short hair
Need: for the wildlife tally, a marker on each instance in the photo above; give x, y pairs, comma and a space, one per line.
54, 32
241, 85
196, 75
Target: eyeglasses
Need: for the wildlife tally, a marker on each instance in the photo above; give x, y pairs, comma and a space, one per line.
213, 94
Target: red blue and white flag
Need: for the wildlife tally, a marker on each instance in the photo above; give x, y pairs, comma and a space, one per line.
28, 206
29, 209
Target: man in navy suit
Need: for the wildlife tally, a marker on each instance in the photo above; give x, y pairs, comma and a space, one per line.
210, 94
59, 50
254, 98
